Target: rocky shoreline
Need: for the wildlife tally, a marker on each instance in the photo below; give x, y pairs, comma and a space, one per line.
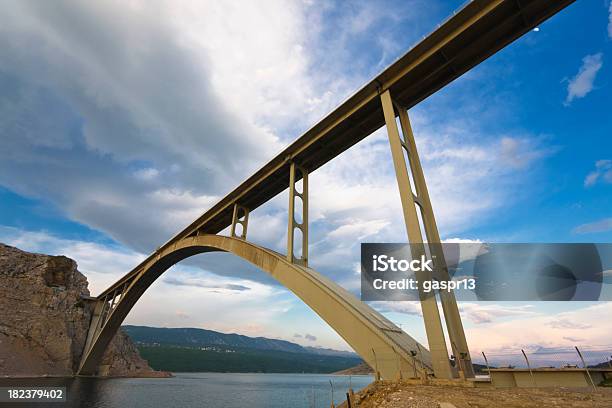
44, 319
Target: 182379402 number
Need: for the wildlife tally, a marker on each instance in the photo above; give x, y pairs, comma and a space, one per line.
33, 393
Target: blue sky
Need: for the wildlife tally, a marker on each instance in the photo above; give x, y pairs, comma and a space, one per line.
122, 123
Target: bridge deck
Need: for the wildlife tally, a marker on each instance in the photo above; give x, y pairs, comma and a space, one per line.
472, 34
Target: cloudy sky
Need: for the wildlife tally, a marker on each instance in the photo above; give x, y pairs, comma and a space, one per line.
120, 122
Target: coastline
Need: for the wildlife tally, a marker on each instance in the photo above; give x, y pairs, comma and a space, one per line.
147, 374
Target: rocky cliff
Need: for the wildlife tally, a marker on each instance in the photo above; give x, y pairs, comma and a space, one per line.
44, 320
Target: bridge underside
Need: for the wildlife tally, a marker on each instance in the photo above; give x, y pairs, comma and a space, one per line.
379, 342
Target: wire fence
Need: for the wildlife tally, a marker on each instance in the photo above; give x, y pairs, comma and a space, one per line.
545, 357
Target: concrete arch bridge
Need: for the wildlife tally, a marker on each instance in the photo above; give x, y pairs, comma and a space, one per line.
472, 34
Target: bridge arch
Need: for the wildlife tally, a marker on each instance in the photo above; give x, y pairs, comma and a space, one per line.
378, 341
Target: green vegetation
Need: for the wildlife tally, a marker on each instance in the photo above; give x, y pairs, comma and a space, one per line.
234, 359
196, 338
199, 350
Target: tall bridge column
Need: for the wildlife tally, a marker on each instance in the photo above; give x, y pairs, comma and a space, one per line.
429, 306
454, 326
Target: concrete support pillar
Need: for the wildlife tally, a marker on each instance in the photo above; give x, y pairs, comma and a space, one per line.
429, 306
240, 217
294, 175
454, 326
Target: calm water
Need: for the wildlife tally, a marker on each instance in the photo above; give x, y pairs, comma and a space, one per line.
210, 390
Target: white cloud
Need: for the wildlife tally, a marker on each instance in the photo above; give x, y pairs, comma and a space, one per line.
358, 230
454, 179
544, 330
462, 241
581, 84
480, 313
602, 172
146, 173
565, 323
206, 283
591, 178
519, 153
403, 307
258, 58
602, 225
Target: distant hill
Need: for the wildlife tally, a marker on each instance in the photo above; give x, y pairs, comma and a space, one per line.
199, 350
330, 352
190, 337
